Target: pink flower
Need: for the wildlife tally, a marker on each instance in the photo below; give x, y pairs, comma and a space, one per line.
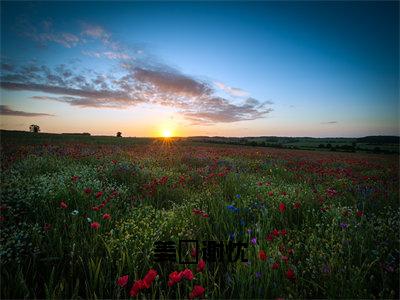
95, 225
63, 205
106, 216
123, 280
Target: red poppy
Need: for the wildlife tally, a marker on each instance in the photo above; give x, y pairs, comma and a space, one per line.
275, 266
271, 193
285, 259
204, 215
197, 211
136, 287
262, 255
197, 292
201, 266
74, 178
193, 253
188, 274
275, 232
270, 238
260, 183
95, 225
47, 227
63, 205
174, 277
282, 207
123, 280
290, 274
297, 205
99, 194
283, 232
149, 278
87, 190
360, 213
106, 216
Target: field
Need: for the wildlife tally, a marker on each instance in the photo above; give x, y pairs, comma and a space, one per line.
81, 215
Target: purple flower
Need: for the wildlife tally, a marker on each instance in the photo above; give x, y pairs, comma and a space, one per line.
258, 274
253, 240
344, 225
249, 231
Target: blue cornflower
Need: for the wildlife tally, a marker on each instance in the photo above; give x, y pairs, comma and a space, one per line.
232, 208
231, 236
242, 222
237, 196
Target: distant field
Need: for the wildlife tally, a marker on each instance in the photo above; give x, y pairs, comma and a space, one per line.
80, 217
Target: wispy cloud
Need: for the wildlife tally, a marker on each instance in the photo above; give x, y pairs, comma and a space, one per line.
5, 110
141, 79
235, 92
330, 122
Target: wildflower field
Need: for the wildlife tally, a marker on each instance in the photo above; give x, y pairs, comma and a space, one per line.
81, 218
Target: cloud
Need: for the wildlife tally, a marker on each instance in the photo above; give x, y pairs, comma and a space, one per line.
5, 110
171, 82
330, 122
107, 54
235, 92
45, 33
136, 78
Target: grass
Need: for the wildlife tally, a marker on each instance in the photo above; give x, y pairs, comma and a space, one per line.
337, 233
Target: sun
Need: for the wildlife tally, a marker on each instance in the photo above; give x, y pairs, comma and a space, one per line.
166, 133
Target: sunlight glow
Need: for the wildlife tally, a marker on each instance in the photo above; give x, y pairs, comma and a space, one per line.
166, 133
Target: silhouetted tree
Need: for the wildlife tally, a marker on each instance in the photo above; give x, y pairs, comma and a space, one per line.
34, 128
119, 134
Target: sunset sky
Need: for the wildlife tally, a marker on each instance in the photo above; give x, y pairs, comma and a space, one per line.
201, 68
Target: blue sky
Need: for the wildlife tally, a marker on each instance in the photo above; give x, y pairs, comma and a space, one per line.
201, 68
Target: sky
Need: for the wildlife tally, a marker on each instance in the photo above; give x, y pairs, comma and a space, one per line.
319, 69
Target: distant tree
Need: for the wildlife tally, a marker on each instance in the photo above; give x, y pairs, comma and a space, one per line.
119, 134
328, 146
321, 146
34, 128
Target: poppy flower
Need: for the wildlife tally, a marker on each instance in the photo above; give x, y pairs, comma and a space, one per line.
136, 287
174, 277
282, 207
47, 227
87, 190
283, 232
285, 259
197, 292
270, 238
188, 274
297, 205
63, 205
95, 225
193, 253
99, 194
149, 278
262, 255
123, 280
74, 178
204, 215
201, 265
290, 274
275, 232
106, 216
360, 213
270, 193
275, 266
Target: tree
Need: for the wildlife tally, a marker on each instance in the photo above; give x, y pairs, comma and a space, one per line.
34, 128
119, 134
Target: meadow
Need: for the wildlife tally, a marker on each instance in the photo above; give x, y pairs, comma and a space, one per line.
81, 215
